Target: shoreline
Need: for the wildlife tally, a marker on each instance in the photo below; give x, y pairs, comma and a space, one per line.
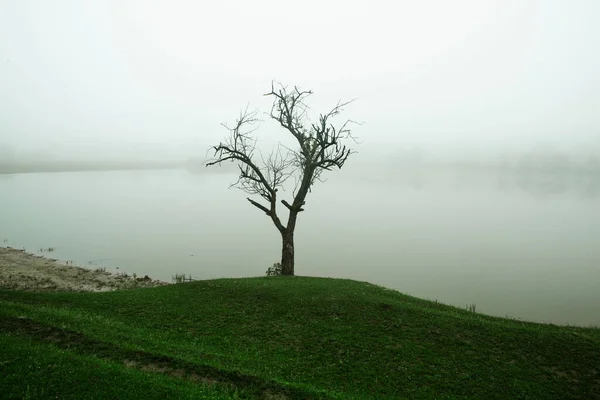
20, 270
18, 171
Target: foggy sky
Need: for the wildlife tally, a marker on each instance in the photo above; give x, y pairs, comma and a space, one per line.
158, 77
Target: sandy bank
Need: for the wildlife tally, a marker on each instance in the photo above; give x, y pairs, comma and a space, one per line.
23, 271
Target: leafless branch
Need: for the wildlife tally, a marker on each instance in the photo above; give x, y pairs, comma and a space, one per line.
241, 147
321, 148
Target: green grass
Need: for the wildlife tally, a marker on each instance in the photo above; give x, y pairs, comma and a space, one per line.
282, 338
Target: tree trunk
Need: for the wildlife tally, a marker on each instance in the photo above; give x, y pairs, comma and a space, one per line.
287, 253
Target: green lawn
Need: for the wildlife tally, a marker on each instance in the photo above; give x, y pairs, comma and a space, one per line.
282, 338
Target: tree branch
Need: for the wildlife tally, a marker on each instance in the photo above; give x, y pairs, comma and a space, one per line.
290, 207
259, 206
320, 148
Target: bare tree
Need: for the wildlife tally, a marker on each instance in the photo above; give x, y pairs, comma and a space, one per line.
318, 147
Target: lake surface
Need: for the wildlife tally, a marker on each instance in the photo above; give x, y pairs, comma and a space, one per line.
512, 252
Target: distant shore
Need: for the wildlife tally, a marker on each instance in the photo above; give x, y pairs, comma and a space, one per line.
20, 270
22, 168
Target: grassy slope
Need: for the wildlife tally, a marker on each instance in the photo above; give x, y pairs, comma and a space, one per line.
282, 338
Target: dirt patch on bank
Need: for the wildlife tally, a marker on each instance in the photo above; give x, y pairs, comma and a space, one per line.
20, 270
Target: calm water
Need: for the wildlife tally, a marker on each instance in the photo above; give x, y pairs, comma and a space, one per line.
510, 251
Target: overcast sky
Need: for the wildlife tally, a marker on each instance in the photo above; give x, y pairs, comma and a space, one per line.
122, 75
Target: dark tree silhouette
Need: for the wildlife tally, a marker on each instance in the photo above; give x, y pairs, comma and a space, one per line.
318, 147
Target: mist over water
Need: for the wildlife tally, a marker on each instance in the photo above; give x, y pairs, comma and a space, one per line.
461, 238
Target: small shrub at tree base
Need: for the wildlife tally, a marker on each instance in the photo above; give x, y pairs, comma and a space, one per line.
275, 270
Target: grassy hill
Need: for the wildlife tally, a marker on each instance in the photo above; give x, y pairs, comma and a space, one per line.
282, 338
